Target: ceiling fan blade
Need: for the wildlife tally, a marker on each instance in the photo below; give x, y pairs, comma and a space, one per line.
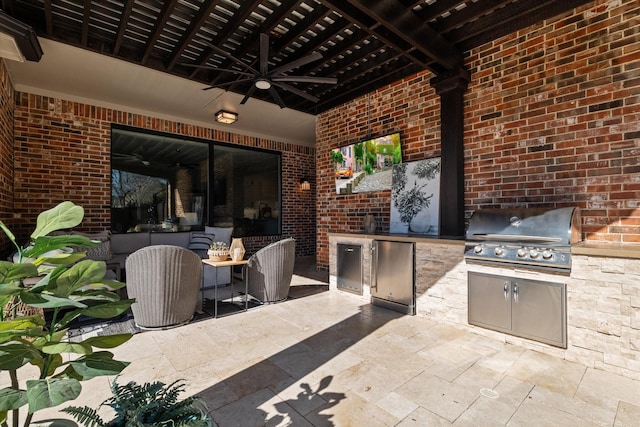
248, 95
264, 54
233, 58
222, 85
228, 70
295, 64
306, 79
276, 96
296, 91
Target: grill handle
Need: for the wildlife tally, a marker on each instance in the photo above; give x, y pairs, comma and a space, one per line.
514, 238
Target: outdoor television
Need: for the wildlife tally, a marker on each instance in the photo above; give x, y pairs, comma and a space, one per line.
366, 165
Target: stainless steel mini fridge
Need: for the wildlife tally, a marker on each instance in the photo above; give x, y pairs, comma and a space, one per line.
393, 275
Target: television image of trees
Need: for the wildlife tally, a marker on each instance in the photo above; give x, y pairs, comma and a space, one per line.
367, 165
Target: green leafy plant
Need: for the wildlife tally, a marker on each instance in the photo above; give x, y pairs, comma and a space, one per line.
150, 404
219, 247
49, 275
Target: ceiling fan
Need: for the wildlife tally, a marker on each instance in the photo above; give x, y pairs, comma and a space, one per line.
131, 158
265, 79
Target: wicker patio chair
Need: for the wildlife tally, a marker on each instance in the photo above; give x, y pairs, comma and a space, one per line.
165, 281
270, 269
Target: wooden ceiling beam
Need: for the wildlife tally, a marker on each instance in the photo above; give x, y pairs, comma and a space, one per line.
194, 26
48, 17
472, 11
122, 27
405, 24
86, 15
508, 19
163, 18
370, 24
245, 10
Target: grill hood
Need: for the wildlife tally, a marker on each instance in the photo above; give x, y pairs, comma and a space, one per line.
556, 227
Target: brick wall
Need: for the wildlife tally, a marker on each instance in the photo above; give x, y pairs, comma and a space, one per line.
552, 118
6, 154
62, 152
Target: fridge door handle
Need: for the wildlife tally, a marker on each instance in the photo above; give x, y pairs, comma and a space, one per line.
374, 268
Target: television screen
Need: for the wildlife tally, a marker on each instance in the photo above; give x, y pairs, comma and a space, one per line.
366, 165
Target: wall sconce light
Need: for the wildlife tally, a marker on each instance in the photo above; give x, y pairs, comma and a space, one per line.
305, 184
226, 117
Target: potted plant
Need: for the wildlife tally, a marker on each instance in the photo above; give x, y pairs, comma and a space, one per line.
154, 404
218, 251
49, 275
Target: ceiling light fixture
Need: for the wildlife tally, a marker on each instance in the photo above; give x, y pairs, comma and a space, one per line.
226, 117
263, 84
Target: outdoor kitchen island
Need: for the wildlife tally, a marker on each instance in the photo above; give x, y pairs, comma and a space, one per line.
603, 295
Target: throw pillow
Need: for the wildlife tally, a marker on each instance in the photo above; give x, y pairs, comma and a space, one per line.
200, 241
223, 234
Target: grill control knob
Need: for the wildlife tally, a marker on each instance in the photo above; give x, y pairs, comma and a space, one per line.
499, 251
477, 249
533, 253
547, 254
521, 253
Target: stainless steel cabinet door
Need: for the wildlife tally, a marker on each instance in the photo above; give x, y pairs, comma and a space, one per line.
349, 266
489, 301
539, 311
393, 272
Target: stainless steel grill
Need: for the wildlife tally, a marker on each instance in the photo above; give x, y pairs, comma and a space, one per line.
530, 237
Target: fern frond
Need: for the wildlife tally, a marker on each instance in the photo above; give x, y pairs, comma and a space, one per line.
86, 416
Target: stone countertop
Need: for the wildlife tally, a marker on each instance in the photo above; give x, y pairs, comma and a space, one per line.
607, 249
403, 238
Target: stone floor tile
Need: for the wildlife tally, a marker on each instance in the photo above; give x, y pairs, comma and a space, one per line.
591, 413
394, 352
628, 415
536, 411
502, 360
304, 397
397, 405
450, 359
422, 418
512, 391
370, 380
495, 406
349, 409
259, 409
547, 371
263, 374
599, 387
477, 377
217, 396
322, 368
439, 396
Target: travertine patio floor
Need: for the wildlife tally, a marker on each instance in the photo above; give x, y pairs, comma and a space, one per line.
328, 359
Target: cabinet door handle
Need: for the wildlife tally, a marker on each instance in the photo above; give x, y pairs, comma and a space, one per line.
515, 292
506, 290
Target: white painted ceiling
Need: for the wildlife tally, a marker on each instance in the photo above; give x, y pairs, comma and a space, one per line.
80, 75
